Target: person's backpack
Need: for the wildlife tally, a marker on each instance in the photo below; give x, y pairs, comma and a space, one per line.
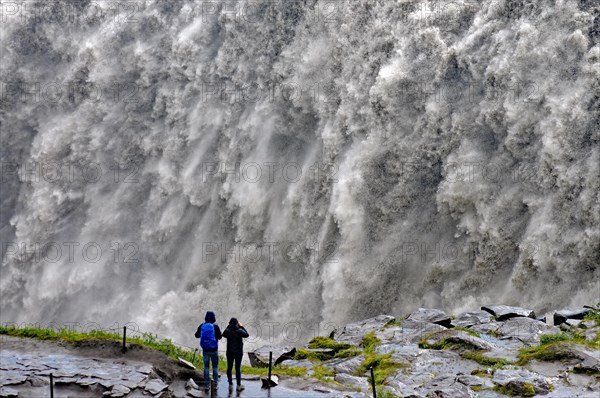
208, 341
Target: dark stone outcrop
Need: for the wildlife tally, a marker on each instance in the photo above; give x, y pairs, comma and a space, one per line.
504, 312
260, 358
563, 316
431, 315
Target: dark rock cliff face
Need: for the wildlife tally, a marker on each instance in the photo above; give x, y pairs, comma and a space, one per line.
298, 162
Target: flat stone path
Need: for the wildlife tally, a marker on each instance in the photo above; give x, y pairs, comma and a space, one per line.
26, 365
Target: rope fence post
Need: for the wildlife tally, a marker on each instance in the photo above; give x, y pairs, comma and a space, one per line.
373, 383
270, 365
124, 338
51, 385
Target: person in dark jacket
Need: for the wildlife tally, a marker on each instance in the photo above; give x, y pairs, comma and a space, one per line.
235, 333
210, 346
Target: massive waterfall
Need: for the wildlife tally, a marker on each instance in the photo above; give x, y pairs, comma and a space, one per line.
296, 163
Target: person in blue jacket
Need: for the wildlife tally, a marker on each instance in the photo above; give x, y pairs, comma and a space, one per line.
209, 335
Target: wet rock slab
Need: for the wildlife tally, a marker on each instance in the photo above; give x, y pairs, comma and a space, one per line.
345, 365
527, 330
409, 332
353, 333
468, 319
32, 370
459, 338
517, 380
354, 381
431, 315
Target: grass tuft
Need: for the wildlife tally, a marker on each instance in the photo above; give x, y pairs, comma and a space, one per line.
326, 342
480, 358
555, 347
383, 366
351, 352
370, 342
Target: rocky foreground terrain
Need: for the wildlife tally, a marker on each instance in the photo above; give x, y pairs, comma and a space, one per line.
495, 352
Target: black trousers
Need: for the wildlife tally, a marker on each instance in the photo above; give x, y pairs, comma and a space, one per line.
238, 367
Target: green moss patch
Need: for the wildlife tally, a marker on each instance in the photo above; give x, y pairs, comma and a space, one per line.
349, 353
326, 342
383, 366
526, 390
480, 373
557, 351
370, 342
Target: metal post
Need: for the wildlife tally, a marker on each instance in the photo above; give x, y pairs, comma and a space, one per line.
124, 338
270, 365
212, 388
51, 386
373, 383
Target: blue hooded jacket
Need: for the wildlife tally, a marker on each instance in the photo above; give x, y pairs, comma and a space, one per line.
210, 318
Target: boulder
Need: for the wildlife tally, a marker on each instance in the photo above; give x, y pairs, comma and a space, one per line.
191, 384
583, 358
155, 386
459, 338
8, 392
526, 330
591, 333
447, 387
409, 332
475, 381
504, 312
117, 391
346, 365
413, 380
487, 328
269, 382
195, 394
468, 319
519, 382
438, 362
562, 316
353, 333
574, 323
185, 363
293, 363
408, 352
358, 382
587, 324
431, 315
145, 369
260, 358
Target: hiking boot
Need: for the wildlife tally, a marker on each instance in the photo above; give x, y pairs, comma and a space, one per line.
240, 387
230, 387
